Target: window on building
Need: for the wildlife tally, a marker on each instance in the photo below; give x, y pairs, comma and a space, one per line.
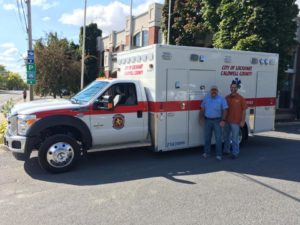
145, 39
137, 40
141, 39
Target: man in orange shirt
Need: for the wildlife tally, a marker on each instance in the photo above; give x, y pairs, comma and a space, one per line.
235, 119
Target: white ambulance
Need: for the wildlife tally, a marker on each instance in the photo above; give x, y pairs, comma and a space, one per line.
154, 102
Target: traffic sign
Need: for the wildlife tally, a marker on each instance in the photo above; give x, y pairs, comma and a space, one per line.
30, 54
31, 81
30, 61
31, 75
30, 67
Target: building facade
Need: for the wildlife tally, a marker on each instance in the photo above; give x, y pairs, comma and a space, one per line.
144, 30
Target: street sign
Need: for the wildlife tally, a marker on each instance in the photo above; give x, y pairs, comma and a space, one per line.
30, 67
30, 54
31, 81
30, 61
31, 75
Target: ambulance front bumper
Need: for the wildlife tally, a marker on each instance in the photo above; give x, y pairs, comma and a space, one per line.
15, 143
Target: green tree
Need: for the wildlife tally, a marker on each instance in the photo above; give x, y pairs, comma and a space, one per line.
15, 82
255, 25
188, 27
91, 63
58, 66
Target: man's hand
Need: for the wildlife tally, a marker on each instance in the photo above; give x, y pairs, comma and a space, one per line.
222, 123
242, 124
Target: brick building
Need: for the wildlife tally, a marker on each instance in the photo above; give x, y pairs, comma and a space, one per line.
145, 31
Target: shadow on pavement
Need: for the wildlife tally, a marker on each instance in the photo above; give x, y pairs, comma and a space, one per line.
276, 158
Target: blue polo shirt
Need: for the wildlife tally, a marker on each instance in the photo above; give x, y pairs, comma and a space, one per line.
214, 106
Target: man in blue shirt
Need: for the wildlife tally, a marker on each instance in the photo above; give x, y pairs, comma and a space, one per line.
213, 113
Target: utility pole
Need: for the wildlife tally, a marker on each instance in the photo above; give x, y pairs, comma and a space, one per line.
29, 32
83, 47
130, 26
169, 22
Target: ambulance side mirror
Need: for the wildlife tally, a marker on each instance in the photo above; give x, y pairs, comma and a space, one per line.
105, 103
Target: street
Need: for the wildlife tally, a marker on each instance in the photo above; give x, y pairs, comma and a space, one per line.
137, 186
5, 95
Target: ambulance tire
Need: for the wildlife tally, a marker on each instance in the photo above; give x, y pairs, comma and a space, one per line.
59, 153
243, 135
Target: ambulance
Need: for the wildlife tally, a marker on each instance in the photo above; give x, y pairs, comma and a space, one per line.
154, 103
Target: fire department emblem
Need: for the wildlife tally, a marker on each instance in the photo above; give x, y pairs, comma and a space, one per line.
118, 121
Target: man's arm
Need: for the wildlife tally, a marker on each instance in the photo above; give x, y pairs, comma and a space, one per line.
224, 116
244, 107
242, 123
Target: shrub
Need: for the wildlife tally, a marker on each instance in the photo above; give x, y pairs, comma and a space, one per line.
7, 106
3, 125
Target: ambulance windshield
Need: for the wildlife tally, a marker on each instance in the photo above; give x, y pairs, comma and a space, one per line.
89, 92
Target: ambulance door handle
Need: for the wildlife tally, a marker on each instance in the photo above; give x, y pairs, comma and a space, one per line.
170, 114
139, 114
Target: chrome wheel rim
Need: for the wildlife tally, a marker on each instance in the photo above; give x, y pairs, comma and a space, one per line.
60, 155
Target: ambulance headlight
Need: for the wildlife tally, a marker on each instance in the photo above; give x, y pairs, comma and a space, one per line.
24, 122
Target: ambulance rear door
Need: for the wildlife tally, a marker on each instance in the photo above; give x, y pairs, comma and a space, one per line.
265, 101
176, 109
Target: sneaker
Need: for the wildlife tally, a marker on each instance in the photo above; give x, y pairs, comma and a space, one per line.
226, 153
205, 155
219, 158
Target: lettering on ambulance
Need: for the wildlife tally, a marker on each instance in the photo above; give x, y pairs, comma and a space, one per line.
134, 70
174, 144
118, 121
231, 70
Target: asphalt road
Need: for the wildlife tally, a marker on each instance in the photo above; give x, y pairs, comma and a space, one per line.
6, 95
141, 187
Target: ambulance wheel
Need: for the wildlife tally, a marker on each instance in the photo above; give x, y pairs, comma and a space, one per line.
243, 135
59, 153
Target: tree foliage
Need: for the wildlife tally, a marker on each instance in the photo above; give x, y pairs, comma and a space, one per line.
58, 65
187, 24
15, 82
254, 25
10, 80
91, 64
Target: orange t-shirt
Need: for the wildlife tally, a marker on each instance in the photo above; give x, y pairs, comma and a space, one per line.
236, 105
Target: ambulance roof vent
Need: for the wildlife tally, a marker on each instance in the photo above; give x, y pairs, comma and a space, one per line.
227, 59
166, 56
119, 61
261, 61
272, 62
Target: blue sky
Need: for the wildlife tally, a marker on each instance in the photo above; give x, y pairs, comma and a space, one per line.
62, 16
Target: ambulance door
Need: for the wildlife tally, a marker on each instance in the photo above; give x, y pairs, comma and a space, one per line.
124, 124
176, 109
199, 84
265, 101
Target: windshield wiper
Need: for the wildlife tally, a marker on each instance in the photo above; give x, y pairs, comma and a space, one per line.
74, 100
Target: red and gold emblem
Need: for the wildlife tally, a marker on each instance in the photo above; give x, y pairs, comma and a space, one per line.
118, 121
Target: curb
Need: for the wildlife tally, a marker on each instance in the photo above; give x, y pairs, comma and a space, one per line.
285, 123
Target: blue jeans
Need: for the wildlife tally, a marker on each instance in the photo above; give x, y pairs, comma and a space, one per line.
210, 127
231, 137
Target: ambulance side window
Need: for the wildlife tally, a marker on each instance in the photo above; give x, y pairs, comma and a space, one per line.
126, 93
130, 94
